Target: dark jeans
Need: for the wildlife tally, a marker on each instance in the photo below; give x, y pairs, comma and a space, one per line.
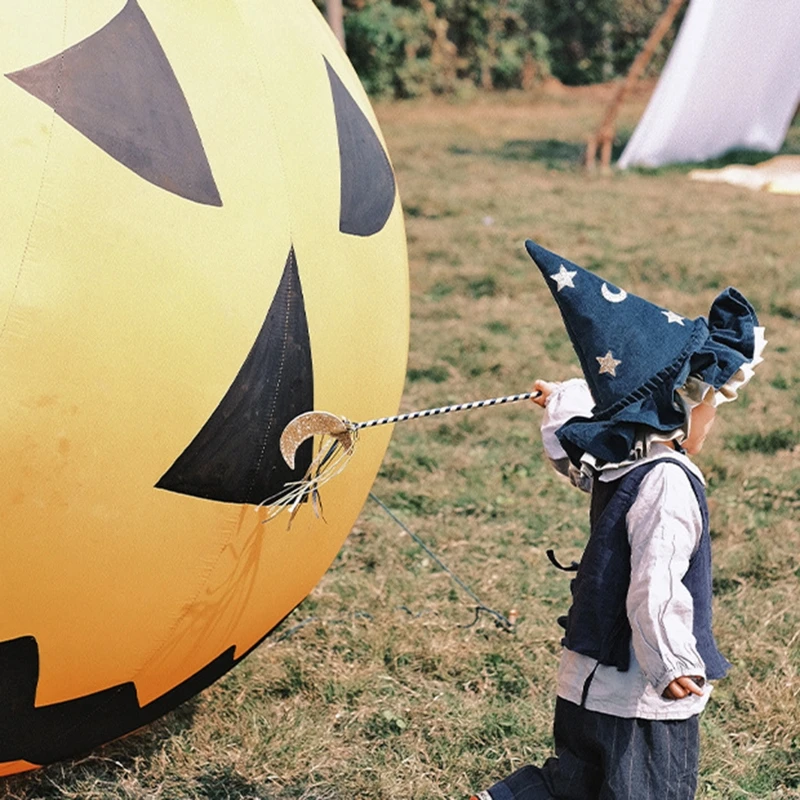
610, 758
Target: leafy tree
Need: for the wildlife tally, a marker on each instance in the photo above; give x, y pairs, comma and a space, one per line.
404, 48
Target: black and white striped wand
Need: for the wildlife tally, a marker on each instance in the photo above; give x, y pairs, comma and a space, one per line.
432, 412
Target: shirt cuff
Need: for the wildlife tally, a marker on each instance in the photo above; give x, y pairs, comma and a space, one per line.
569, 399
666, 678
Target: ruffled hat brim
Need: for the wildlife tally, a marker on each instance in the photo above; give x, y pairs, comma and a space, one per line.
720, 353
731, 340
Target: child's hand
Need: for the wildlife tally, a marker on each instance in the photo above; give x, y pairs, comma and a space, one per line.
545, 387
684, 686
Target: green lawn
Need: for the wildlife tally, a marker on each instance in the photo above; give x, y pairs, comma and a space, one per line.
383, 683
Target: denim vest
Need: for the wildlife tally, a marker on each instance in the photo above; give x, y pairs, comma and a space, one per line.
597, 624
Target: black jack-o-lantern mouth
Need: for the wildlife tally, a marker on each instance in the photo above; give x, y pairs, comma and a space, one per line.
118, 89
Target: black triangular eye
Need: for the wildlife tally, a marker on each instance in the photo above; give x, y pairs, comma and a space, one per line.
235, 458
367, 179
118, 89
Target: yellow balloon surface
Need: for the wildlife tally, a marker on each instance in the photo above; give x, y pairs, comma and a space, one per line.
201, 239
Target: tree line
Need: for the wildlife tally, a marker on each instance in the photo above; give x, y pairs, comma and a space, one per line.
407, 48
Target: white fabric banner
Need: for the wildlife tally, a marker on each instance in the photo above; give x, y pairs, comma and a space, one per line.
731, 81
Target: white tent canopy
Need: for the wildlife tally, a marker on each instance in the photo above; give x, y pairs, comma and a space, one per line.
731, 81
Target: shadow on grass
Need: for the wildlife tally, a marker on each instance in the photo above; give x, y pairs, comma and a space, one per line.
553, 153
222, 783
747, 158
104, 765
790, 147
565, 155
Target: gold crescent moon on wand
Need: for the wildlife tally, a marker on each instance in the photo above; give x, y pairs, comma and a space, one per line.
314, 423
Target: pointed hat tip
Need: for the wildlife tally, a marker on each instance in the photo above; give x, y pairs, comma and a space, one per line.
532, 248
546, 260
538, 253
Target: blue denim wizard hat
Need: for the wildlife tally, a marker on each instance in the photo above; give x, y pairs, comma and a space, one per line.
635, 355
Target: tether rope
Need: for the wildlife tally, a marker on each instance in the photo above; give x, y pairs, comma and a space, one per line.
500, 619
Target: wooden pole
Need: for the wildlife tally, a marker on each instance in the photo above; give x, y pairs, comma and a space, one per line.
604, 137
334, 13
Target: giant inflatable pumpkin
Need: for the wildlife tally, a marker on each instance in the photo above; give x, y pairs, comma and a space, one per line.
200, 238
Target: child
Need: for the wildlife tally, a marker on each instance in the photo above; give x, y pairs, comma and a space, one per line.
638, 650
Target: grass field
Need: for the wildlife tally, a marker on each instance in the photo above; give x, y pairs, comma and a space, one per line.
384, 683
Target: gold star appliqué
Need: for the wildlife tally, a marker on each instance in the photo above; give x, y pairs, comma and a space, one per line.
608, 364
564, 277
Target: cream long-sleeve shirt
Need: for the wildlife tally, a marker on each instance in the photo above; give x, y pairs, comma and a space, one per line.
664, 528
